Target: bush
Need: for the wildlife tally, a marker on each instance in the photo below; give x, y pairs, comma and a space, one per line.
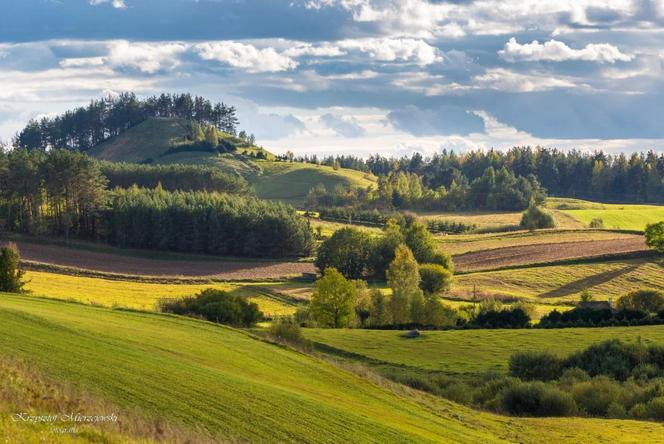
286, 329
647, 301
655, 408
434, 278
532, 365
595, 396
597, 223
216, 306
536, 217
613, 358
537, 399
515, 318
638, 411
654, 234
616, 410
11, 276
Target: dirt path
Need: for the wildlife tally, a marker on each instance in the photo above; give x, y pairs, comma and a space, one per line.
114, 263
531, 254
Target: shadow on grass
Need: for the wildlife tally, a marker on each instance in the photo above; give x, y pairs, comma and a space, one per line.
590, 281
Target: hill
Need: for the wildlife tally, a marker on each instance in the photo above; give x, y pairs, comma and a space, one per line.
621, 216
166, 141
238, 388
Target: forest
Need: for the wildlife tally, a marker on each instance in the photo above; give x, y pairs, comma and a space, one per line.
64, 193
590, 175
85, 127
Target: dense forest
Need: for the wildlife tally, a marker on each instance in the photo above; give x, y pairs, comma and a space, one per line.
493, 190
64, 193
84, 127
638, 177
173, 177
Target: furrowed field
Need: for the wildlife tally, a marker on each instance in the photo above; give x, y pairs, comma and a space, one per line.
236, 387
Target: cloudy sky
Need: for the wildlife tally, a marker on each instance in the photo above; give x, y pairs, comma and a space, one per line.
356, 76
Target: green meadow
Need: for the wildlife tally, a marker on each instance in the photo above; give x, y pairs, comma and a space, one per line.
621, 216
239, 388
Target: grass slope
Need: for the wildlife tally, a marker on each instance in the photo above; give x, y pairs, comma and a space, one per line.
465, 243
144, 295
556, 283
496, 220
241, 388
626, 217
472, 351
291, 181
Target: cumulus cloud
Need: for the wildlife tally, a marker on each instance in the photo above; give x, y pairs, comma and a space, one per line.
245, 56
346, 126
307, 49
146, 57
392, 49
557, 51
118, 4
509, 81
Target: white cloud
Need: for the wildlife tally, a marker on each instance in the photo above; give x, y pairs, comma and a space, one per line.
346, 126
505, 80
558, 51
307, 49
146, 57
118, 4
390, 50
245, 56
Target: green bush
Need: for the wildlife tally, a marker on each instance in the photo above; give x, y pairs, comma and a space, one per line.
11, 276
647, 301
286, 329
216, 306
435, 278
595, 396
597, 223
655, 408
536, 217
532, 365
616, 410
537, 399
638, 411
654, 234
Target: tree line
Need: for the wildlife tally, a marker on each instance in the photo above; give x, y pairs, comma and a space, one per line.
637, 177
63, 193
87, 126
494, 190
173, 177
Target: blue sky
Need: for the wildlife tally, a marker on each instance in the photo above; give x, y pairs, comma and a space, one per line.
356, 76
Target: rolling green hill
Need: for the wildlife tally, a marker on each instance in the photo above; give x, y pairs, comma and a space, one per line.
239, 388
151, 140
622, 216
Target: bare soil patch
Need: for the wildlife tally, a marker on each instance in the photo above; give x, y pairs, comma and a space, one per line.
142, 266
542, 253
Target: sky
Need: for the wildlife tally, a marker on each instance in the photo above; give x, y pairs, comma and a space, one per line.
356, 76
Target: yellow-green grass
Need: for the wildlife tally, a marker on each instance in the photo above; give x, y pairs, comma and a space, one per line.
487, 220
328, 228
291, 181
558, 283
540, 309
465, 243
144, 295
626, 217
243, 389
472, 351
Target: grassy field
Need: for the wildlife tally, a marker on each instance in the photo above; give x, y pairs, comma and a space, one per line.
290, 182
557, 283
496, 220
472, 351
626, 217
465, 243
145, 295
243, 389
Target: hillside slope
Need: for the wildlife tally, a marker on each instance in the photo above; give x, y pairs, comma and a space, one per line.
151, 140
240, 388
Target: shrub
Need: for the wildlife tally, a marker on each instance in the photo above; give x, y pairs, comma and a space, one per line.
613, 358
537, 399
536, 217
286, 329
638, 411
654, 234
434, 278
597, 223
532, 365
647, 301
216, 306
515, 318
595, 396
655, 408
11, 276
571, 376
616, 410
